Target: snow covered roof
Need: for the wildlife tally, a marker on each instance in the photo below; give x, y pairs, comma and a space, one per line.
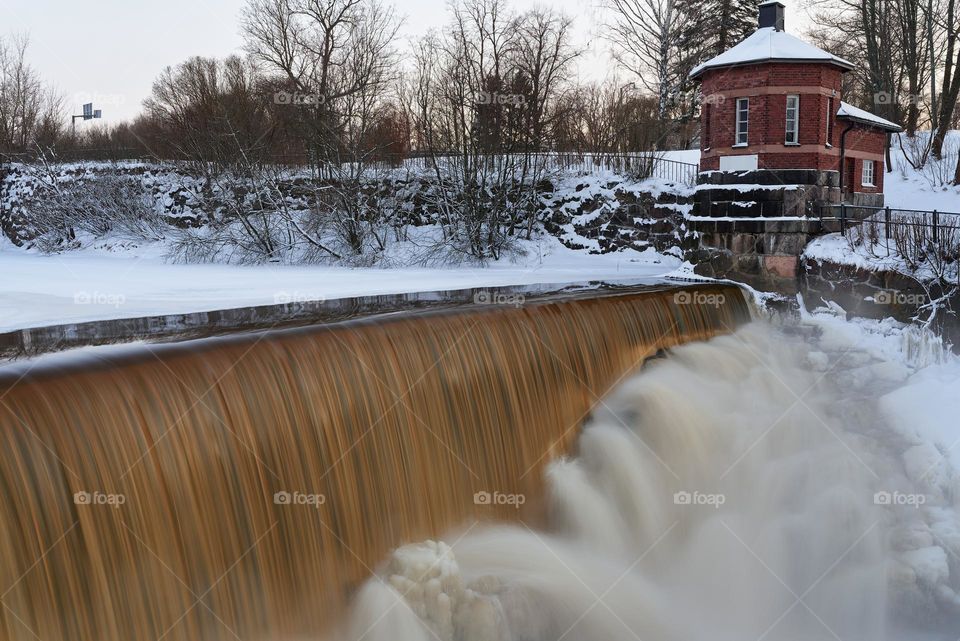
849, 112
769, 45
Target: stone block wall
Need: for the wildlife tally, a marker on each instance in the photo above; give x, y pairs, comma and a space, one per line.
872, 294
624, 219
765, 254
753, 226
765, 193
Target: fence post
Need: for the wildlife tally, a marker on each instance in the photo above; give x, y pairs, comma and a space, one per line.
886, 228
843, 218
936, 218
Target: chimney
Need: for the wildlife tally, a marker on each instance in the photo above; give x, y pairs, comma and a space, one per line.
771, 14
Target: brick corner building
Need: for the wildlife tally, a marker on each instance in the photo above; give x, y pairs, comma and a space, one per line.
774, 103
779, 149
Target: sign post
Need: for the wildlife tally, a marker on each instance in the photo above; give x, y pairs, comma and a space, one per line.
89, 113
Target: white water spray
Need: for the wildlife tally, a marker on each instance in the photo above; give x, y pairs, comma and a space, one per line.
725, 493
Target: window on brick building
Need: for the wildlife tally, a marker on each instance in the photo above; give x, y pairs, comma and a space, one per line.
743, 121
793, 120
867, 173
831, 114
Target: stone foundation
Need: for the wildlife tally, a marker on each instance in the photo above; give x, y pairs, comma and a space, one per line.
765, 193
872, 294
753, 226
864, 200
765, 254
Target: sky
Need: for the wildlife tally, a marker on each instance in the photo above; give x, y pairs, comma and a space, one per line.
109, 51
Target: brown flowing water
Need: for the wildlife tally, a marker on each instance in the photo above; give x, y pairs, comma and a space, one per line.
245, 488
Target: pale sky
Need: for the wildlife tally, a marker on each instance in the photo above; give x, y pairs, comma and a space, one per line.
109, 51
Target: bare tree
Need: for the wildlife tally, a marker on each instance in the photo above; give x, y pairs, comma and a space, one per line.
30, 112
544, 57
209, 112
611, 118
336, 60
646, 37
950, 82
878, 35
913, 26
486, 101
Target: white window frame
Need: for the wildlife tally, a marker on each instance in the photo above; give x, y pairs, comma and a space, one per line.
867, 177
792, 125
742, 129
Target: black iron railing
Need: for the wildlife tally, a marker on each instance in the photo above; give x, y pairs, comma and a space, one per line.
637, 164
887, 218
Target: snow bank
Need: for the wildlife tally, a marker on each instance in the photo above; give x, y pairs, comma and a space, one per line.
89, 285
912, 384
928, 406
927, 188
835, 248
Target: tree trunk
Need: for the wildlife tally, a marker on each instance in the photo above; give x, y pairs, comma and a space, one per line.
951, 84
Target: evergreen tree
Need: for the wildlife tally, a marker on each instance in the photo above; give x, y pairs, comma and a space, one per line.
713, 26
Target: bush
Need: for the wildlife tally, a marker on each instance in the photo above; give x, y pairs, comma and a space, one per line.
69, 208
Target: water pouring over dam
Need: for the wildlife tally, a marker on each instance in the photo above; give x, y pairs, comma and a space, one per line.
688, 513
247, 487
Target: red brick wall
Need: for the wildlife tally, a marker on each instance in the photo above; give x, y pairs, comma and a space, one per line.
722, 87
767, 86
866, 141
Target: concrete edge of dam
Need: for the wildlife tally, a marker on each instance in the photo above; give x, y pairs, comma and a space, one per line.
34, 341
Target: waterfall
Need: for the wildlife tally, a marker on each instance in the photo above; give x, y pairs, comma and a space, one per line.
249, 487
724, 493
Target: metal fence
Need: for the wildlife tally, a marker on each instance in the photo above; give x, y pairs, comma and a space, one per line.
635, 164
643, 164
887, 218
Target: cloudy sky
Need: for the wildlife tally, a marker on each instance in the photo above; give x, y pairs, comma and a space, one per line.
109, 51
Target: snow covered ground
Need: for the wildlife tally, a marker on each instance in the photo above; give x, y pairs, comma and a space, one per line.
910, 189
915, 385
87, 285
95, 284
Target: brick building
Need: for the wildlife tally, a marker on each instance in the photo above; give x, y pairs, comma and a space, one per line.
774, 102
775, 134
